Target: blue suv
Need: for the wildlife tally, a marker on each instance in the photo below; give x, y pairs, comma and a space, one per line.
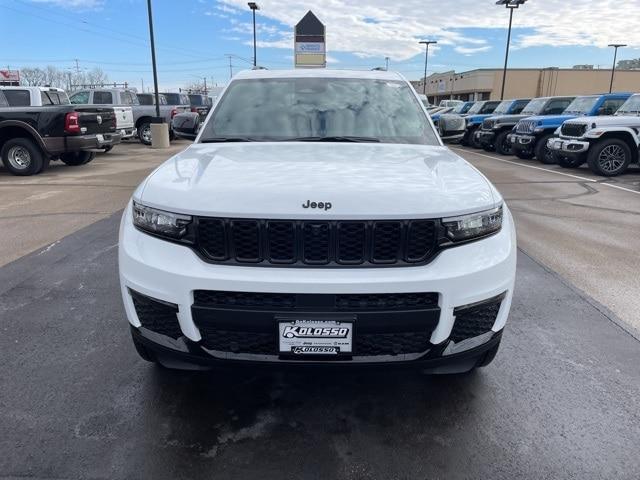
532, 133
475, 119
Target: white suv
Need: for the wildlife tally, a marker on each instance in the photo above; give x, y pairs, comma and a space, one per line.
317, 219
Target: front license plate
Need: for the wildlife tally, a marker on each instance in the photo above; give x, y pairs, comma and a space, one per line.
100, 138
315, 337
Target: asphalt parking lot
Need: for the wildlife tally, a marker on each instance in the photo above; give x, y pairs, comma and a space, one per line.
560, 401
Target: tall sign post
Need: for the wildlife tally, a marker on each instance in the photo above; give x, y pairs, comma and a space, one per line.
310, 46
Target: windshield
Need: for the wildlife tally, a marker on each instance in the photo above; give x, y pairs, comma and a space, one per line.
280, 109
462, 109
503, 107
581, 105
476, 108
196, 100
534, 106
632, 105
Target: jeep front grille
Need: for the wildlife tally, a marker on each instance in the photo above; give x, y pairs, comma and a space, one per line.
573, 129
317, 243
488, 124
526, 126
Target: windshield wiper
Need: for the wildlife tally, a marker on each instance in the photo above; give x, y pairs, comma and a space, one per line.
334, 139
226, 139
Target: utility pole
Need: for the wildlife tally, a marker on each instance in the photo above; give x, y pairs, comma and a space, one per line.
511, 5
426, 59
205, 85
230, 67
386, 60
254, 6
142, 80
153, 59
77, 68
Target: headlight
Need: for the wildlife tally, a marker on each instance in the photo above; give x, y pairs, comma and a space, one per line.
158, 222
497, 126
475, 225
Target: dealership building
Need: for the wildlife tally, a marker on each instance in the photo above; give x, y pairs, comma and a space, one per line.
486, 83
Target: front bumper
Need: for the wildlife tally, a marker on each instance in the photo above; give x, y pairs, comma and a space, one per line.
522, 142
567, 147
486, 137
460, 276
126, 133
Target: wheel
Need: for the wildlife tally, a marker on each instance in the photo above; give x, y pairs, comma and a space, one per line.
609, 157
144, 133
142, 351
544, 154
569, 162
523, 155
108, 149
489, 356
22, 156
45, 164
73, 159
473, 140
503, 146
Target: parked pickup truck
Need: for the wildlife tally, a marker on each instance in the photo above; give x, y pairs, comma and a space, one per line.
121, 100
34, 96
200, 104
607, 143
146, 111
532, 134
30, 137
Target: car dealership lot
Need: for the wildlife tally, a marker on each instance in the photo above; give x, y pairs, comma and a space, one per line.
78, 403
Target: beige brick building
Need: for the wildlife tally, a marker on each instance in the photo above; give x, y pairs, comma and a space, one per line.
485, 84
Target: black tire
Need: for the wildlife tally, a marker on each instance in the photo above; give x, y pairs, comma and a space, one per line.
74, 159
503, 147
544, 154
489, 356
609, 157
569, 162
473, 141
172, 135
108, 149
45, 164
488, 148
22, 157
142, 351
144, 133
521, 154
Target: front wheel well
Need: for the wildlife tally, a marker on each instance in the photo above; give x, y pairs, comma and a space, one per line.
142, 120
625, 137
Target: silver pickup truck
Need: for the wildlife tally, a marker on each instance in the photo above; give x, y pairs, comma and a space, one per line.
146, 110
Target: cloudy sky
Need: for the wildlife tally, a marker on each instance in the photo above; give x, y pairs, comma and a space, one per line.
194, 36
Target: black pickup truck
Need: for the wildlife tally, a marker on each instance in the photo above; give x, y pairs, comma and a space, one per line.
30, 137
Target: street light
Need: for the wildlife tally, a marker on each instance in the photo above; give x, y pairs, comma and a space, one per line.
153, 60
511, 5
426, 59
616, 46
254, 6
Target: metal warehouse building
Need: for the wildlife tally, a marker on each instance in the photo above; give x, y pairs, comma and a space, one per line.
485, 84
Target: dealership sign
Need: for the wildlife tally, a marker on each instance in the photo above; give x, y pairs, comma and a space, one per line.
310, 47
10, 76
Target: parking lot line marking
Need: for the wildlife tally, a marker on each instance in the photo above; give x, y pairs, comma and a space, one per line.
546, 170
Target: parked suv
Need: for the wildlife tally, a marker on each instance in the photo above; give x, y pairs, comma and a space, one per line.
474, 118
494, 129
607, 143
200, 104
533, 133
34, 96
295, 231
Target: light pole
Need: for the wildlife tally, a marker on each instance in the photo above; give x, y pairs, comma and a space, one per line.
616, 46
153, 59
511, 5
386, 60
254, 6
426, 60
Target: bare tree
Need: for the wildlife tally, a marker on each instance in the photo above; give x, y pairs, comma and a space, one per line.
32, 77
96, 77
194, 87
55, 77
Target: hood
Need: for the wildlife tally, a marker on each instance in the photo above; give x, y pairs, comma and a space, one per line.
360, 181
550, 120
603, 121
479, 118
509, 119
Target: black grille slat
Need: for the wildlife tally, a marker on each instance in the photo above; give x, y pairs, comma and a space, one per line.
369, 345
352, 241
316, 238
246, 240
385, 301
339, 243
219, 298
386, 242
281, 242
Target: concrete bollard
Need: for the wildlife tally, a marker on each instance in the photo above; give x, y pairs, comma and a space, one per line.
159, 135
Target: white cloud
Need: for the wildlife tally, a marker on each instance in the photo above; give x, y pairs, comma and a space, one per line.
393, 28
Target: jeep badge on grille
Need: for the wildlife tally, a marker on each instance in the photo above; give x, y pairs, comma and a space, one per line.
320, 205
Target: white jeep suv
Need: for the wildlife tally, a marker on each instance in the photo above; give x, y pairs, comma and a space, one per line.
317, 219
